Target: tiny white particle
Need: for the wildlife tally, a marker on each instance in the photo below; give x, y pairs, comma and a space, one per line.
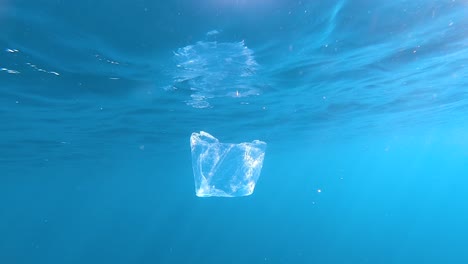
319, 190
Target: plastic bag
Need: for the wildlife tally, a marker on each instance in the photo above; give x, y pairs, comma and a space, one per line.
224, 169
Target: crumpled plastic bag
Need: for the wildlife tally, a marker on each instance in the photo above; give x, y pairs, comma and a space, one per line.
225, 169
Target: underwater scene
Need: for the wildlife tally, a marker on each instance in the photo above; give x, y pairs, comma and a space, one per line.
234, 131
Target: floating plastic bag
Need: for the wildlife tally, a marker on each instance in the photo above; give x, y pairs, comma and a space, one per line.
223, 169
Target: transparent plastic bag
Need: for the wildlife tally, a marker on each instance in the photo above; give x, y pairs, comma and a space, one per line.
224, 169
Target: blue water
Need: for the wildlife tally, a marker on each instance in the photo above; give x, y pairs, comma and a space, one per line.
363, 105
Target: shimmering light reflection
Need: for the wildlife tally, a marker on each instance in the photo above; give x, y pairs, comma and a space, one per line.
214, 69
16, 52
249, 7
9, 71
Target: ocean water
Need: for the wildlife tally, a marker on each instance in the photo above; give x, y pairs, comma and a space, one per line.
363, 106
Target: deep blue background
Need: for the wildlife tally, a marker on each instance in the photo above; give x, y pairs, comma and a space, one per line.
362, 104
